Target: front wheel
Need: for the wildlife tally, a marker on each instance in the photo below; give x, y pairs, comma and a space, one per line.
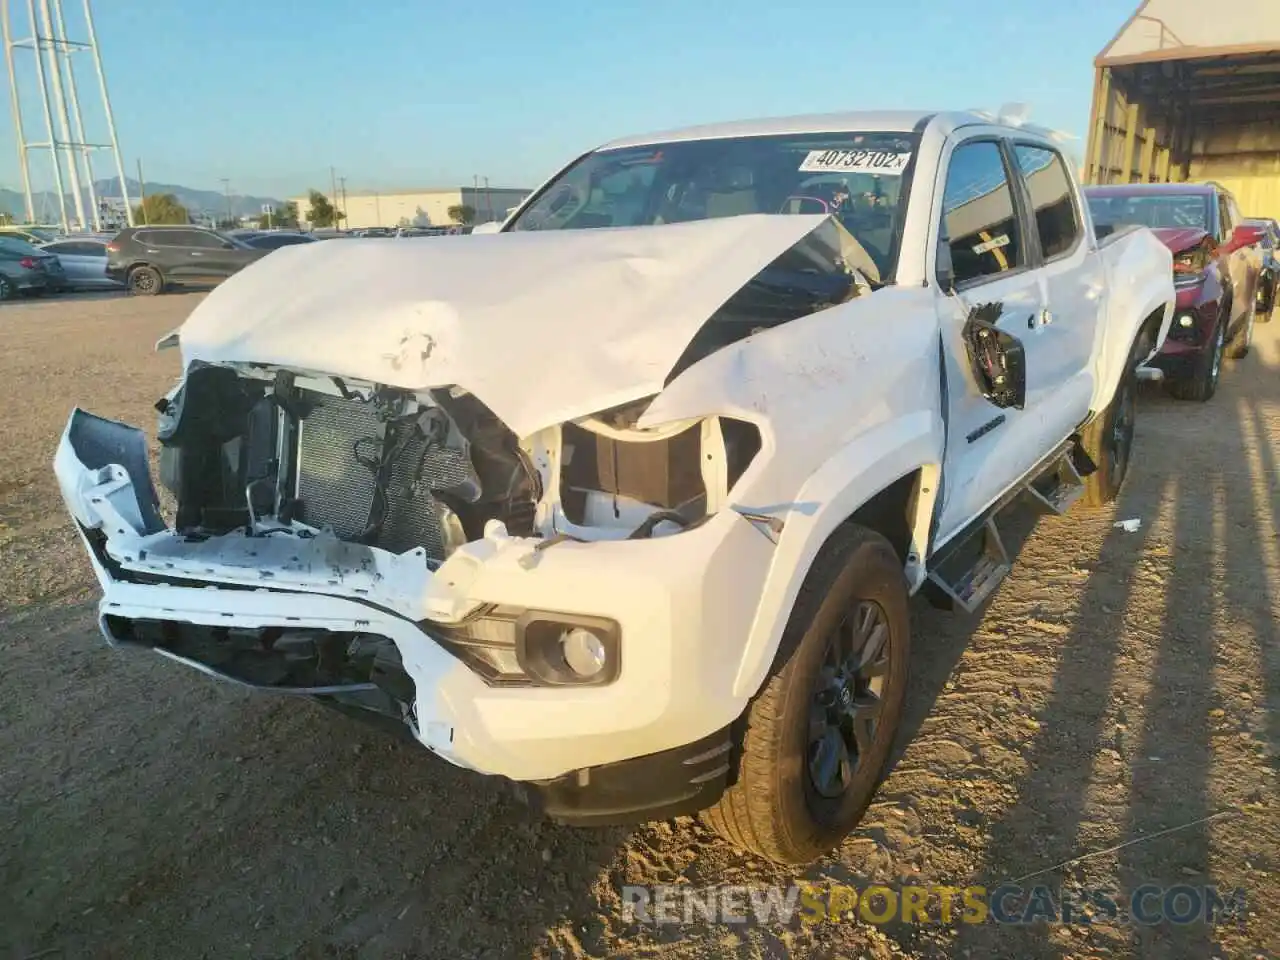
818, 736
1108, 440
1203, 382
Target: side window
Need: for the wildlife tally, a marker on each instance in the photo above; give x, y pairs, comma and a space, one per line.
1225, 226
205, 241
979, 221
1049, 186
165, 238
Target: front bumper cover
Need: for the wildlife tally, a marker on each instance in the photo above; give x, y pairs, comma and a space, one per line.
679, 601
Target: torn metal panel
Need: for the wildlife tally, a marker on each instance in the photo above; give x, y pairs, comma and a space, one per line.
610, 310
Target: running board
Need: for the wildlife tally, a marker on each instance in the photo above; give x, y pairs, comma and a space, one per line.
1059, 487
971, 567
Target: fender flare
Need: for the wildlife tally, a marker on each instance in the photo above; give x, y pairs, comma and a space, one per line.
850, 478
1128, 310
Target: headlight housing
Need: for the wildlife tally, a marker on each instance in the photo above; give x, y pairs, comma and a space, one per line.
509, 646
1190, 265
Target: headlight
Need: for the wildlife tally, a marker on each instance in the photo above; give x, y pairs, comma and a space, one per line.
1189, 267
508, 646
1186, 321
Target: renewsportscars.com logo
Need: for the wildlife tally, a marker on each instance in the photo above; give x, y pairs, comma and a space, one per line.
1146, 905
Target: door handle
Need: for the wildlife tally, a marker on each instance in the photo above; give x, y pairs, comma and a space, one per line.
196, 253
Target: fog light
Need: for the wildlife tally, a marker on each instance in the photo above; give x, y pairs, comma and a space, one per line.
583, 652
1186, 321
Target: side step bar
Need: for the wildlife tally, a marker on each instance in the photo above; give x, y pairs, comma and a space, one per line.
971, 567
1058, 487
966, 570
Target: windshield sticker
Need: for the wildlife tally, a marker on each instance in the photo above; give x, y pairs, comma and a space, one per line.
995, 243
887, 162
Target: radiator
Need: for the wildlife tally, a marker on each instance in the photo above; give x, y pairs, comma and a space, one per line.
337, 490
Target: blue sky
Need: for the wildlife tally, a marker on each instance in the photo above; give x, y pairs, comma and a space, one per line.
402, 93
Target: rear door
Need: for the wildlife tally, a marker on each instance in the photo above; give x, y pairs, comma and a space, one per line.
983, 227
1072, 284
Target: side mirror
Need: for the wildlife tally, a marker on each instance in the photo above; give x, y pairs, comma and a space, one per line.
997, 360
228, 245
493, 226
1244, 236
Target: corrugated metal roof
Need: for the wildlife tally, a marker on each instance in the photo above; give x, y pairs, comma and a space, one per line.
1184, 29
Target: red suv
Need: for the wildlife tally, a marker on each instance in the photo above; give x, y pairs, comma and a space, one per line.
1216, 266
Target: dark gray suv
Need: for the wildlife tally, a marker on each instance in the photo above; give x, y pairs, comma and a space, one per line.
147, 260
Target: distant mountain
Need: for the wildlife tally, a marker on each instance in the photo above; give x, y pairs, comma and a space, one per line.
196, 201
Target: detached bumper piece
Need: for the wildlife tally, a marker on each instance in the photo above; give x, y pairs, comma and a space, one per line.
658, 786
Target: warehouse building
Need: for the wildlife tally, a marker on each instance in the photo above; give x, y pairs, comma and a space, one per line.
419, 208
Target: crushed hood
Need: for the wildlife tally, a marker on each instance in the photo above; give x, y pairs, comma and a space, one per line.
1178, 239
543, 327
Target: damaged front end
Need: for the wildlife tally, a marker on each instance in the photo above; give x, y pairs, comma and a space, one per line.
405, 553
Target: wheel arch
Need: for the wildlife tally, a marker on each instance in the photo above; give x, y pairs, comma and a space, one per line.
886, 480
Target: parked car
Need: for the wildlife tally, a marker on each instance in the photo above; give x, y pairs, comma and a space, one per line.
84, 261
1269, 279
274, 239
149, 259
1216, 268
673, 575
33, 235
25, 269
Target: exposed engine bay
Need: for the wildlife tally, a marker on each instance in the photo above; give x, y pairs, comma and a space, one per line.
263, 452
258, 449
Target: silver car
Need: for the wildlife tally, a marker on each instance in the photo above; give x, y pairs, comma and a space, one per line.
85, 261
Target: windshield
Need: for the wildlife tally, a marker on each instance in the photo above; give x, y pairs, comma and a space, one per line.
1150, 210
859, 178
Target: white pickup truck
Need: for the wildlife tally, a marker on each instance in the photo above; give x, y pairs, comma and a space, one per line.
631, 515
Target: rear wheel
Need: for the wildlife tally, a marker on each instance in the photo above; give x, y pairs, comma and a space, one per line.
7, 290
1203, 382
145, 281
818, 736
1108, 440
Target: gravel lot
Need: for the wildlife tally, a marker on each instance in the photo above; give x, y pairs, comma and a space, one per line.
1118, 685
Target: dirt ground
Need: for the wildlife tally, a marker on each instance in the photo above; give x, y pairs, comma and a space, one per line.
1118, 685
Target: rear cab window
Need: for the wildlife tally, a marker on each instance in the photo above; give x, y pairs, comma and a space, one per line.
979, 218
1053, 204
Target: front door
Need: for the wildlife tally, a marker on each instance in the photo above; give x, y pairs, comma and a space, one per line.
988, 447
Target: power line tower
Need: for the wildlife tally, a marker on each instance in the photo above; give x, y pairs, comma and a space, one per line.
58, 95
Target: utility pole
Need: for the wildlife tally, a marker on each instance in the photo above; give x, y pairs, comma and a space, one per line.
77, 118
50, 46
333, 193
488, 199
142, 187
226, 191
342, 182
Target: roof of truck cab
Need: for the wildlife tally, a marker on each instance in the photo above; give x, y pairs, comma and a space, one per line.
888, 121
1164, 189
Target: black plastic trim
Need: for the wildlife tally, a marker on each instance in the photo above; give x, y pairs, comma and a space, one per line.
658, 786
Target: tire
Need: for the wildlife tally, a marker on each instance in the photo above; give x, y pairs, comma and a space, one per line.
1238, 349
1108, 441
777, 806
1267, 304
7, 290
145, 281
1203, 383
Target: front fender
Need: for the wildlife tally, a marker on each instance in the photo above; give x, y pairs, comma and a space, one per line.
850, 478
1139, 270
